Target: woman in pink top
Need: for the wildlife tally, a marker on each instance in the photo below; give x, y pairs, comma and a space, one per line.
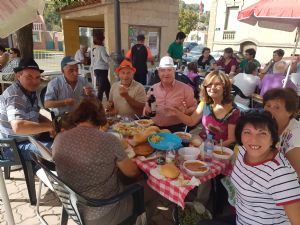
192, 72
216, 109
228, 63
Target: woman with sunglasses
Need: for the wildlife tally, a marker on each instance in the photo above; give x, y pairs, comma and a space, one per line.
14, 59
216, 109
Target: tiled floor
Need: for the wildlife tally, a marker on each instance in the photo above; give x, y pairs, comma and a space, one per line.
24, 213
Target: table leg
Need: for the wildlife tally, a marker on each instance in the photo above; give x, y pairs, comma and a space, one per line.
5, 199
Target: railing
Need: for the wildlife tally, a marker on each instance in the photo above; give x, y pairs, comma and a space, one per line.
228, 35
48, 60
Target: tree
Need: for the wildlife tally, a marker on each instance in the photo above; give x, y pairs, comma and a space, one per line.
188, 20
188, 17
25, 41
51, 16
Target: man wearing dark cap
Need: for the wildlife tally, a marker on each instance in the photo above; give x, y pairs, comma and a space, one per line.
19, 110
139, 54
64, 92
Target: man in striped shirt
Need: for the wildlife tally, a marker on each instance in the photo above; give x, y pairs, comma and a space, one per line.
19, 110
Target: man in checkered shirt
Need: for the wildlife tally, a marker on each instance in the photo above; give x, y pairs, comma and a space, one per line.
19, 110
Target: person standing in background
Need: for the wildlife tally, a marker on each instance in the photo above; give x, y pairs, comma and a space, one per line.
99, 64
175, 50
139, 54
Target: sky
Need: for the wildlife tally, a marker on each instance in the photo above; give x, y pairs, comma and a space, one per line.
205, 2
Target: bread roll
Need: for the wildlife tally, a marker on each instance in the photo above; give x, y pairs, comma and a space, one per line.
152, 128
169, 171
140, 138
165, 131
143, 149
196, 142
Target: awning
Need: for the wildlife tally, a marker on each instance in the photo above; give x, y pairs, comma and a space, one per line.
15, 14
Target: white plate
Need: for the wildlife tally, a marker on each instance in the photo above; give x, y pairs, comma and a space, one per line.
130, 152
156, 173
149, 157
146, 124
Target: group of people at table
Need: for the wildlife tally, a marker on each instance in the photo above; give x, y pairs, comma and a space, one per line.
266, 170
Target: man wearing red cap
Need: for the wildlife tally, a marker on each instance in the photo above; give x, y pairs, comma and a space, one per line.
127, 97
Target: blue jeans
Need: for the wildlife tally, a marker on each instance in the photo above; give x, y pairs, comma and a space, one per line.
26, 147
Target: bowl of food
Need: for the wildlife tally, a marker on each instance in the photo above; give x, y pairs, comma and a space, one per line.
195, 167
222, 154
185, 137
189, 153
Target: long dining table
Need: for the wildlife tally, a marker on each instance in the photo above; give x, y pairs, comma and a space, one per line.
171, 190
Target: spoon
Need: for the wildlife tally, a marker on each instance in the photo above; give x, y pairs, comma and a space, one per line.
221, 142
185, 129
136, 116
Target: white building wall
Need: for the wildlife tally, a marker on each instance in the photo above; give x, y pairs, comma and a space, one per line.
266, 40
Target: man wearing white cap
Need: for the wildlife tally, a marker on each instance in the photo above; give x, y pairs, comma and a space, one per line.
170, 93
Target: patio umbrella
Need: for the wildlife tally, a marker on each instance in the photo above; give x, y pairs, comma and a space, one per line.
274, 14
15, 14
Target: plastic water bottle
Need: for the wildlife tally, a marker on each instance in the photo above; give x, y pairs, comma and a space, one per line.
208, 148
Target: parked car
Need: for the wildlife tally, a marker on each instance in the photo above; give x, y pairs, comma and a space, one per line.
218, 53
187, 46
193, 55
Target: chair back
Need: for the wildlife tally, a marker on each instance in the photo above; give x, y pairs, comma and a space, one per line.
68, 197
237, 91
9, 153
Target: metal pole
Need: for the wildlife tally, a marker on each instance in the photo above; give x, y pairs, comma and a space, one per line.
118, 31
7, 208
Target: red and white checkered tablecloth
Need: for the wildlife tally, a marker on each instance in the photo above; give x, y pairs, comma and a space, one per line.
171, 191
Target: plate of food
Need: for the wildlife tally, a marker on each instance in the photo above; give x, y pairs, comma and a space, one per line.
144, 122
127, 129
164, 141
143, 149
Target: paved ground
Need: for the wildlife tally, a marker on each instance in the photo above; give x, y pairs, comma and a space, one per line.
24, 213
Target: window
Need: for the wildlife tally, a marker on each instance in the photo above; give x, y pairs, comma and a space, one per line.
36, 36
231, 18
152, 35
37, 26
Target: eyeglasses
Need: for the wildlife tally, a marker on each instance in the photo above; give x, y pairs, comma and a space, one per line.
217, 85
12, 53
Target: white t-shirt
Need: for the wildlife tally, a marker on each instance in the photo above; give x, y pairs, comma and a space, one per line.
263, 189
79, 56
247, 83
290, 137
